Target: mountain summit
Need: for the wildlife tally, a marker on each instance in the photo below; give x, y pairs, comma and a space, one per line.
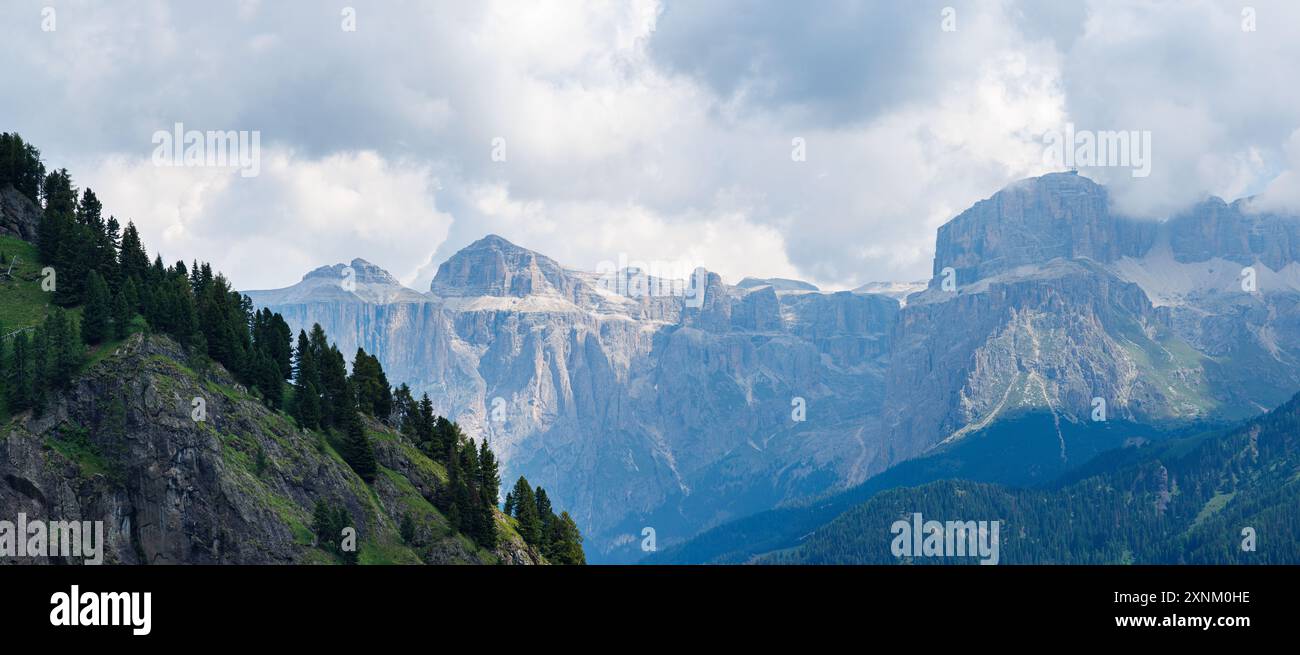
493, 266
358, 281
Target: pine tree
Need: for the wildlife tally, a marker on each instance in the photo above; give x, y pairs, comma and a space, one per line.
530, 524
490, 475
357, 450
20, 165
547, 517
132, 259
306, 398
566, 542
307, 405
122, 315
95, 315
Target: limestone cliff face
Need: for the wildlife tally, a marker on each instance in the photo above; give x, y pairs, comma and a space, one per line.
1034, 221
122, 446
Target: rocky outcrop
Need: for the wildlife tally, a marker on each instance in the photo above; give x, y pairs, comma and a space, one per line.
20, 216
124, 446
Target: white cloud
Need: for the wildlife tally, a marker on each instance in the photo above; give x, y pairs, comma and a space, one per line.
639, 127
296, 215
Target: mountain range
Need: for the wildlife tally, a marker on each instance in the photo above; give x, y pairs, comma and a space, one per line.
1053, 329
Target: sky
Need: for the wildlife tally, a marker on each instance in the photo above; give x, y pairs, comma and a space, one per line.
824, 140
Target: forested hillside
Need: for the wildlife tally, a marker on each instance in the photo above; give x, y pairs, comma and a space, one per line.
1224, 497
110, 361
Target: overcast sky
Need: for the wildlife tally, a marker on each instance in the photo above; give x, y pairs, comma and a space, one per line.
656, 130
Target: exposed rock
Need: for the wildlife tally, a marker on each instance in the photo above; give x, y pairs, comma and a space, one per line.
20, 216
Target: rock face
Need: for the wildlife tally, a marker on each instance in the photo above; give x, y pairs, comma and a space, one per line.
676, 412
19, 216
1034, 221
632, 408
122, 446
1058, 303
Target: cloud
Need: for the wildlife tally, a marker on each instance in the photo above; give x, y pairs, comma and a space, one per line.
640, 127
298, 214
1212, 95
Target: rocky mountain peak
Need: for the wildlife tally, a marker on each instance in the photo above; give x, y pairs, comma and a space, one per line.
1034, 221
493, 266
363, 272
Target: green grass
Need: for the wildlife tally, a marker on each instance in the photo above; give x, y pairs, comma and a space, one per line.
1212, 507
73, 443
22, 302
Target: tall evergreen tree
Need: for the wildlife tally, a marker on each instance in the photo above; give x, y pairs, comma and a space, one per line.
132, 259
95, 316
122, 314
530, 524
20, 166
357, 450
566, 541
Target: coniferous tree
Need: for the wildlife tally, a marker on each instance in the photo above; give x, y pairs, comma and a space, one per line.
132, 259
60, 206
545, 513
566, 542
307, 404
370, 385
20, 166
122, 314
490, 475
357, 450
64, 349
530, 524
95, 315
306, 398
